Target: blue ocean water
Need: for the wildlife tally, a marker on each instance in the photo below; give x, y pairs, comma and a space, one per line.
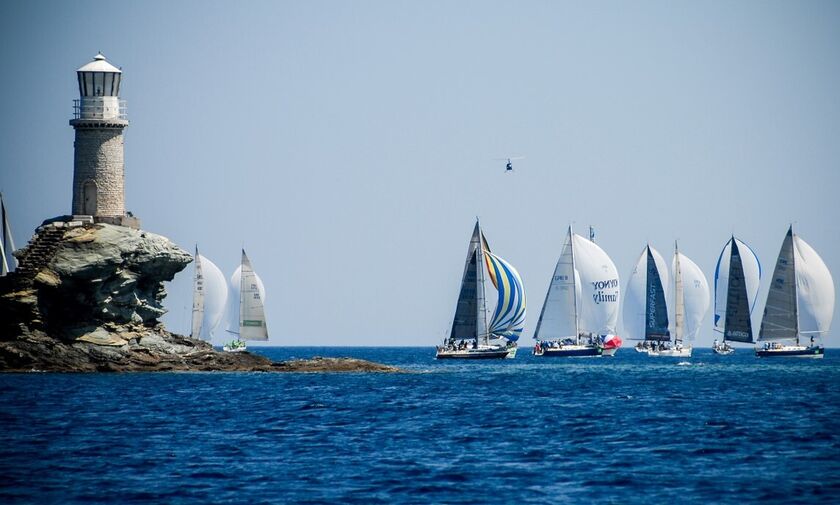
628, 429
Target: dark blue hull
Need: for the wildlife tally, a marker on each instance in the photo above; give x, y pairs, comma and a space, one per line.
810, 352
571, 353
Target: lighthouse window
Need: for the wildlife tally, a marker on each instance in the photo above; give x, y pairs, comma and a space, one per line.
81, 85
98, 83
88, 83
116, 84
109, 84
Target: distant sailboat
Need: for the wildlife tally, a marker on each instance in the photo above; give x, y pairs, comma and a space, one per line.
210, 295
248, 321
645, 309
690, 304
7, 244
800, 301
737, 278
472, 335
580, 312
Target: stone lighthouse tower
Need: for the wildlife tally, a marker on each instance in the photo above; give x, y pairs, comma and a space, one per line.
98, 160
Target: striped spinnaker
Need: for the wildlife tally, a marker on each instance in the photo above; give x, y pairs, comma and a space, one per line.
509, 317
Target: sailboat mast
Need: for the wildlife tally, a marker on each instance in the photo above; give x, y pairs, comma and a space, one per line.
574, 285
241, 290
679, 297
795, 284
480, 293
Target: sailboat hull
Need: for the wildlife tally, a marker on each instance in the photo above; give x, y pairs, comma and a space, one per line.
792, 351
723, 351
683, 352
571, 351
492, 353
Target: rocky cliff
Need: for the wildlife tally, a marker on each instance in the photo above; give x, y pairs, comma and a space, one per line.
88, 297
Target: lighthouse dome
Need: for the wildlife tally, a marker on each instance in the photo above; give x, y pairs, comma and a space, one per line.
99, 78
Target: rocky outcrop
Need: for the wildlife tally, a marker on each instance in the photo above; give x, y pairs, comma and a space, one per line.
88, 297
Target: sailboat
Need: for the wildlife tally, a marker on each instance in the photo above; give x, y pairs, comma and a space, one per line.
690, 305
248, 319
210, 295
800, 302
645, 309
737, 277
7, 244
472, 336
580, 312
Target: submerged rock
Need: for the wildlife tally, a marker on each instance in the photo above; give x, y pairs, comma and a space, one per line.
88, 297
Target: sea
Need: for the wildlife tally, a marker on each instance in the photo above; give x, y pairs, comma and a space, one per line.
628, 429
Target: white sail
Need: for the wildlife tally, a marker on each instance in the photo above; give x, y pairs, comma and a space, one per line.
558, 317
636, 296
696, 295
598, 288
234, 298
198, 298
679, 298
215, 297
752, 277
210, 295
7, 243
814, 289
252, 324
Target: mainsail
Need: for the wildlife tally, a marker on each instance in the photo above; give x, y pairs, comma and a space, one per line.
198, 298
679, 298
235, 298
470, 319
251, 313
737, 323
645, 310
751, 275
210, 294
801, 295
558, 318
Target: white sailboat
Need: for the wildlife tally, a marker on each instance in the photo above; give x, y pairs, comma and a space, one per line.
248, 319
690, 303
472, 336
580, 312
800, 302
737, 277
7, 244
210, 294
645, 308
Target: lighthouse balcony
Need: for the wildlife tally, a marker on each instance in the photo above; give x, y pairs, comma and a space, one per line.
105, 108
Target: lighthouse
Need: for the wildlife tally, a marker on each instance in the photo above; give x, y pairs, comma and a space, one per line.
98, 158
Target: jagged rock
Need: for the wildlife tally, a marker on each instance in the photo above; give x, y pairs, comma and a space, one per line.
87, 297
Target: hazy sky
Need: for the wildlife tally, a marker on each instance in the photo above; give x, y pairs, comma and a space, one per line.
348, 146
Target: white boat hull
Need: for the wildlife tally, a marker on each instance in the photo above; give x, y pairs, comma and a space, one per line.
723, 351
609, 352
234, 349
682, 352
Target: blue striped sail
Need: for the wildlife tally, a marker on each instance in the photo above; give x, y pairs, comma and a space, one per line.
509, 317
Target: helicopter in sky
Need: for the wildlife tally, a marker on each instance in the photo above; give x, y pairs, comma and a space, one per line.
509, 164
